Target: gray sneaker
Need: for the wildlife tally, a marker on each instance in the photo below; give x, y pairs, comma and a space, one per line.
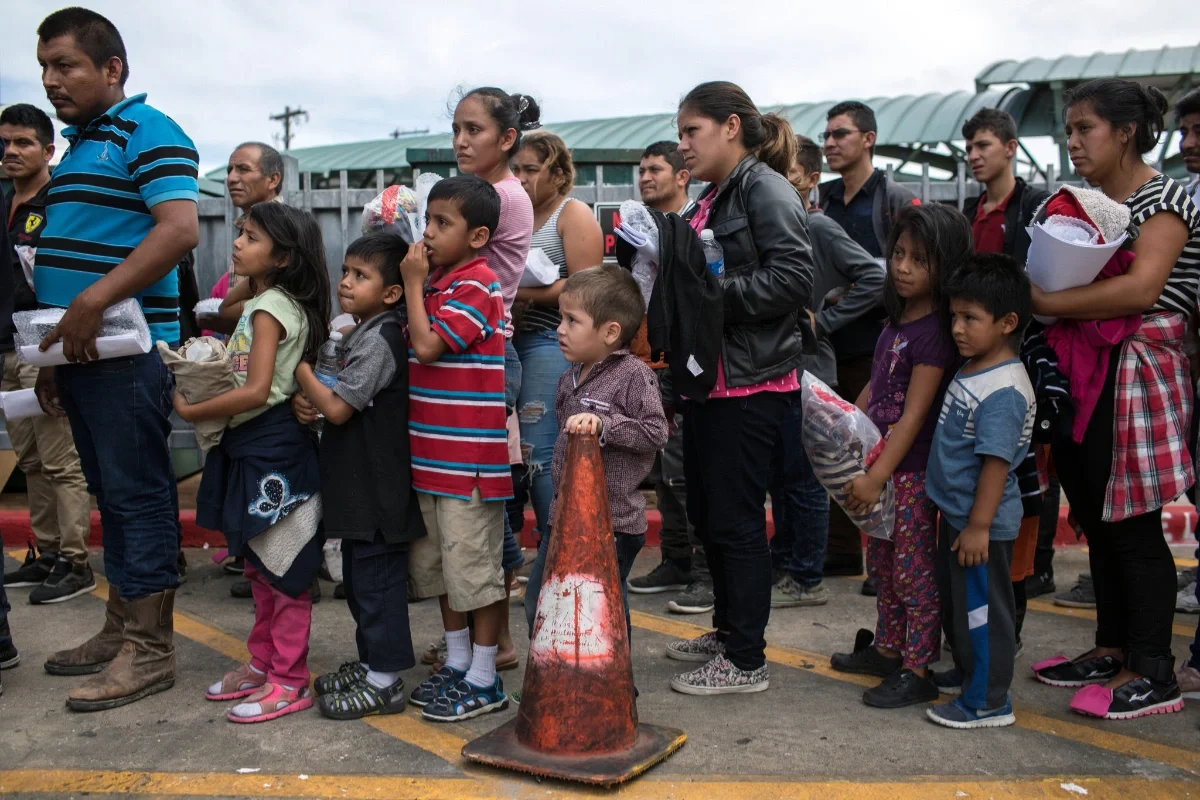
702, 649
789, 593
1186, 577
65, 582
1081, 595
1185, 601
696, 599
720, 676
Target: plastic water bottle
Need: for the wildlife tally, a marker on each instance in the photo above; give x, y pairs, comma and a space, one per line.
714, 256
329, 360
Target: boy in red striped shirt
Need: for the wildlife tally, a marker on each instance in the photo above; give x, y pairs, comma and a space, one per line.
459, 442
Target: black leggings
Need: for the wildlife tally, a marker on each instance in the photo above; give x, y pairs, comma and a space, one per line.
1132, 566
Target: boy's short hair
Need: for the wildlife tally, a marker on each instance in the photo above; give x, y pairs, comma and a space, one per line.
1188, 104
608, 293
477, 200
998, 122
808, 154
382, 249
996, 282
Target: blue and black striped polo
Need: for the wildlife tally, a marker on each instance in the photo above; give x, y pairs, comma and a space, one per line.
117, 167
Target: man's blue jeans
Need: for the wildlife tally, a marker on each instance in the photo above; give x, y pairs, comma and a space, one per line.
799, 505
120, 411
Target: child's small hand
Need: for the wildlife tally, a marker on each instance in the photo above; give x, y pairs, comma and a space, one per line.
863, 494
584, 423
972, 546
183, 408
415, 265
303, 410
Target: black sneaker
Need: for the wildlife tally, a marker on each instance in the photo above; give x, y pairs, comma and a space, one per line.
696, 599
181, 566
9, 657
666, 577
869, 589
314, 591
948, 681
900, 689
1139, 697
33, 572
241, 589
235, 567
1038, 585
1081, 595
1061, 671
66, 581
865, 660
339, 592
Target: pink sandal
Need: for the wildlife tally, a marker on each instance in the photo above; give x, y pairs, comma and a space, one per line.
241, 682
273, 700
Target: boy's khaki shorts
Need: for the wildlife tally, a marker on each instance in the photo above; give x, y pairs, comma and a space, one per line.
461, 554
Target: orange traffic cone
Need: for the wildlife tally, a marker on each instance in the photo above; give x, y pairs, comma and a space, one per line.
578, 718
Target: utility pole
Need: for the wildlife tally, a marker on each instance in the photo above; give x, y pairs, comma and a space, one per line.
397, 133
286, 119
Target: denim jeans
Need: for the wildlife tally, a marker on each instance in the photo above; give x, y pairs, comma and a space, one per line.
5, 636
727, 448
513, 558
119, 411
1194, 661
542, 364
799, 504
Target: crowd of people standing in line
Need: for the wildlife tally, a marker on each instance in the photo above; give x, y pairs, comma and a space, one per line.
914, 312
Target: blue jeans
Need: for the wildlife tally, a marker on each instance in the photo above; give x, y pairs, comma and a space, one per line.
119, 410
513, 558
542, 364
799, 504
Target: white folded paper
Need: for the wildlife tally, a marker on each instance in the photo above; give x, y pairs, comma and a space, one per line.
1055, 265
123, 332
21, 404
539, 269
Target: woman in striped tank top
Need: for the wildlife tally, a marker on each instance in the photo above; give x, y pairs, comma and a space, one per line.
567, 232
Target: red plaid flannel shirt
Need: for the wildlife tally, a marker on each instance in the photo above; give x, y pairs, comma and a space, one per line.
1152, 462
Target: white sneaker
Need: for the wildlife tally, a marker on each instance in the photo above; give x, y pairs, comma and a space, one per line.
1185, 601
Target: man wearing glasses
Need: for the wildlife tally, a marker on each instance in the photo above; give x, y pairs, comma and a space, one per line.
864, 201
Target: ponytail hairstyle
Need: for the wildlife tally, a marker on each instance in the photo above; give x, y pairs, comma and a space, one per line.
557, 165
1123, 104
768, 136
941, 235
518, 112
304, 277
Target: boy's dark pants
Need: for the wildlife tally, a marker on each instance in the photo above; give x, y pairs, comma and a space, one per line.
978, 619
375, 575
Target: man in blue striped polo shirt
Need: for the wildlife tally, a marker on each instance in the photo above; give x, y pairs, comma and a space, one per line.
120, 214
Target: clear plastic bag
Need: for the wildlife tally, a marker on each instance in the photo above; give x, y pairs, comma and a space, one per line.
394, 209
842, 443
123, 332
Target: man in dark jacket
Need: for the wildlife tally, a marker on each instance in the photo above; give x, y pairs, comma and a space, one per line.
9, 657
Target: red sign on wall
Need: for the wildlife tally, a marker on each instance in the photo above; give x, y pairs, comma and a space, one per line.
609, 216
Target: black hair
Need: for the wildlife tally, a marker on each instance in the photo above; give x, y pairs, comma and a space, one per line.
859, 113
269, 161
808, 154
943, 237
998, 122
768, 136
1188, 104
1120, 102
384, 250
996, 282
304, 277
518, 112
477, 200
24, 115
608, 293
669, 151
94, 34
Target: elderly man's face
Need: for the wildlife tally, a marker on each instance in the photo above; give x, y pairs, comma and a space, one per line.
246, 181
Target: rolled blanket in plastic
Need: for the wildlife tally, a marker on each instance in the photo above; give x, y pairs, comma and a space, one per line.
123, 332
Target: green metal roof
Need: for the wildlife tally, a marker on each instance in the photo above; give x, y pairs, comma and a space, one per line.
1164, 62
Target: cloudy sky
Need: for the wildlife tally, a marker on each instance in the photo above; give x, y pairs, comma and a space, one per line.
220, 67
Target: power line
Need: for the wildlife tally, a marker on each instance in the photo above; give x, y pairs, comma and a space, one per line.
397, 133
286, 118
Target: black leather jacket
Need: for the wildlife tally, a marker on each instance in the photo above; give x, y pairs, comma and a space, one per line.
760, 222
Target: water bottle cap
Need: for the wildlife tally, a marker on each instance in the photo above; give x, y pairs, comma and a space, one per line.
335, 336
707, 235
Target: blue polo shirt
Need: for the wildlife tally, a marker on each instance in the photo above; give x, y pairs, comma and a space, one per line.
117, 167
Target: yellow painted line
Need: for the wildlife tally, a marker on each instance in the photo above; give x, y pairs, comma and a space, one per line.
1184, 629
376, 787
1186, 562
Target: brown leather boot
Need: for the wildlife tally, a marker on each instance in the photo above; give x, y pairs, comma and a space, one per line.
94, 654
146, 663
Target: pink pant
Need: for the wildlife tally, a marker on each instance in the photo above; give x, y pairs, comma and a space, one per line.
278, 642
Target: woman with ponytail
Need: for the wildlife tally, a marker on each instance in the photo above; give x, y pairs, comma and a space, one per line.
1134, 457
760, 222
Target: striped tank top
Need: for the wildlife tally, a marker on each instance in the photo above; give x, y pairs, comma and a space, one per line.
539, 317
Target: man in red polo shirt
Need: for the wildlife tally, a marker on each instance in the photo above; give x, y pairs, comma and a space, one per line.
1002, 212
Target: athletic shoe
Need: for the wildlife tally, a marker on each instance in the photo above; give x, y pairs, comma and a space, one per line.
66, 581
720, 676
33, 572
1020, 649
241, 589
1062, 671
869, 589
956, 715
181, 566
1081, 595
866, 660
666, 577
702, 649
696, 599
464, 700
948, 681
1140, 697
364, 699
9, 657
347, 676
1186, 578
235, 567
789, 593
1186, 602
339, 592
1038, 585
1188, 678
435, 685
900, 689
843, 564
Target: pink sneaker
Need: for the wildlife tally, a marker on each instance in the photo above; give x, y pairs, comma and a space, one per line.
1189, 681
241, 682
273, 700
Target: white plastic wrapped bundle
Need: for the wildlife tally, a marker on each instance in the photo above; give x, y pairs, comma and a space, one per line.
539, 269
421, 187
21, 404
842, 443
123, 332
1070, 230
393, 209
638, 228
